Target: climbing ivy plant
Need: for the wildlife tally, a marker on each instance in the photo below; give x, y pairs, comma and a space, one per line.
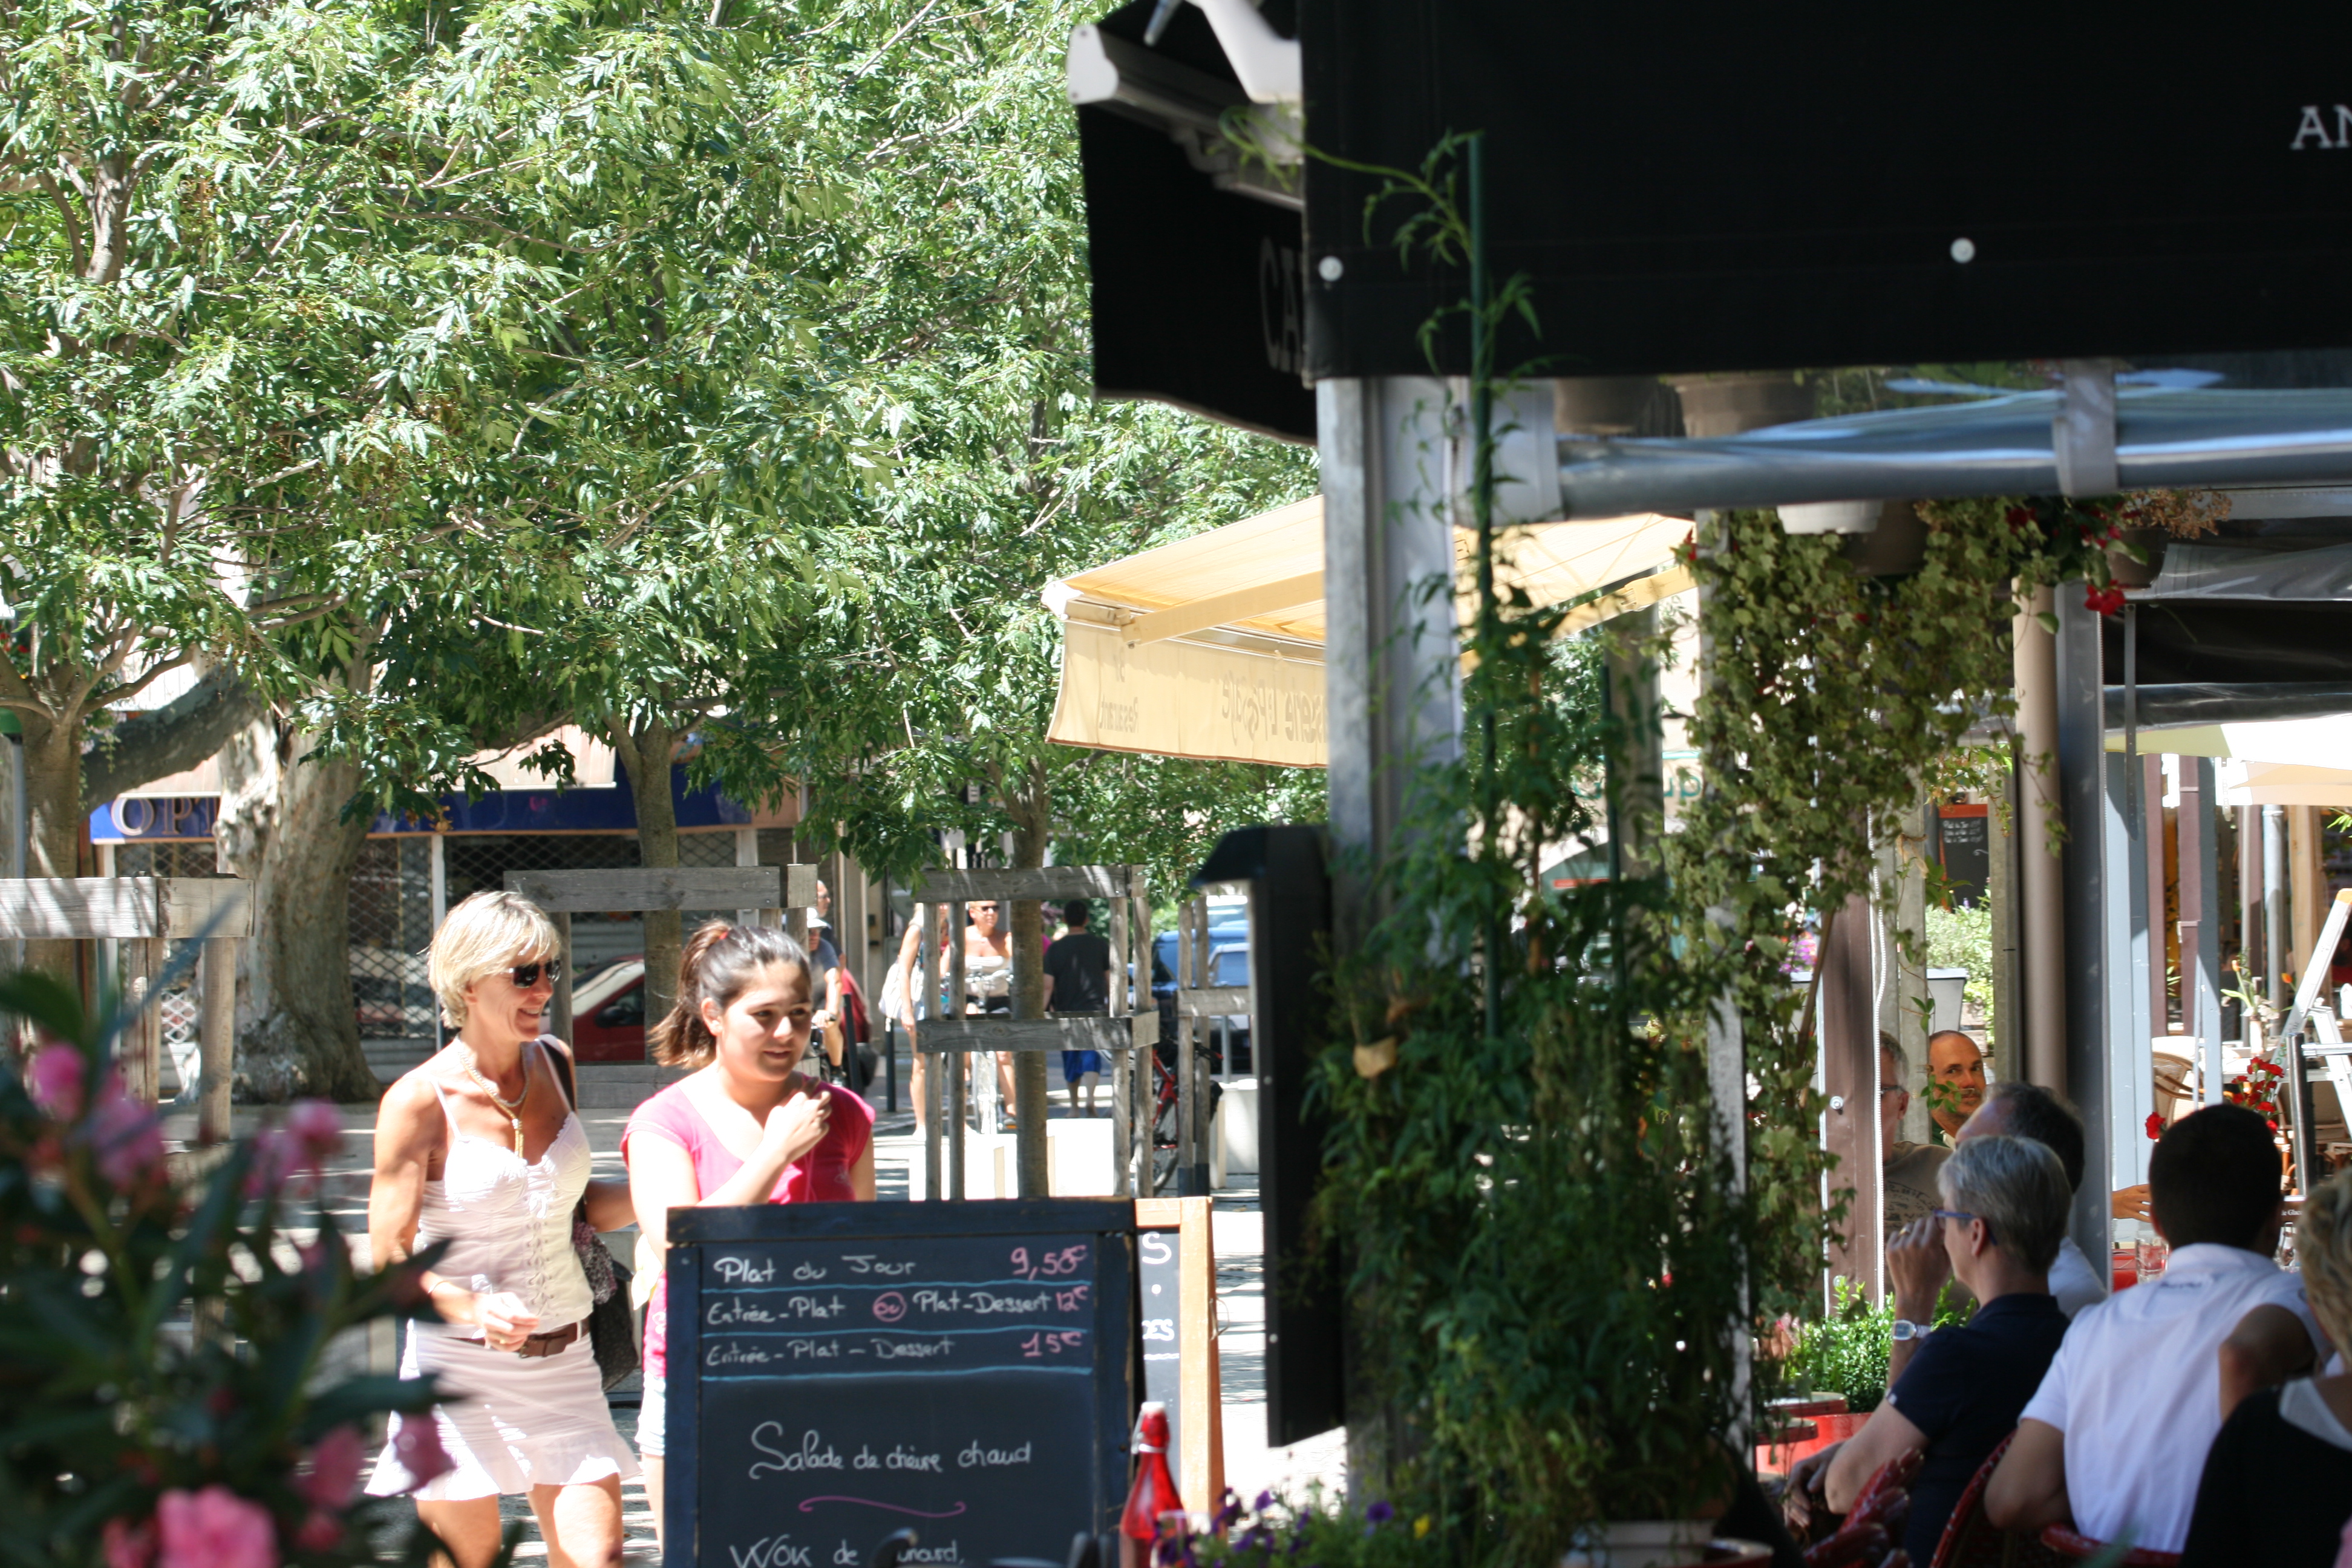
1828, 696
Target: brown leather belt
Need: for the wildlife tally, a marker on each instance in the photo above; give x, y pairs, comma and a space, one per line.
551, 1341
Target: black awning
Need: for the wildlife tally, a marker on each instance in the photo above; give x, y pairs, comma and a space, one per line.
2260, 645
1745, 187
1198, 292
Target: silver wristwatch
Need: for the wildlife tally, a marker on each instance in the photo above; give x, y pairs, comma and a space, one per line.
1905, 1329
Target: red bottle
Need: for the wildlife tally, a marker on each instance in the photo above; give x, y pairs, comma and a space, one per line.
1154, 1492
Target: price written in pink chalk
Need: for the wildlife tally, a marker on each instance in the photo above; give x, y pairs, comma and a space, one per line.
1040, 1345
1067, 1260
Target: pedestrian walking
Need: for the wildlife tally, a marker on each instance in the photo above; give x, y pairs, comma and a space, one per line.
1078, 983
751, 1127
479, 1147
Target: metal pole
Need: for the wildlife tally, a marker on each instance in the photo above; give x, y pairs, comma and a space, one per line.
1481, 502
436, 875
2200, 921
1126, 975
2131, 1072
956, 1062
1393, 650
890, 1040
2276, 941
923, 1007
2088, 963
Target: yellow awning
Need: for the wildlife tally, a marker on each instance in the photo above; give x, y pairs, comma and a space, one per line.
1213, 647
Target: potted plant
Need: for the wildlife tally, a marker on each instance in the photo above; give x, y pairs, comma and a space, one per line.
1549, 1248
163, 1329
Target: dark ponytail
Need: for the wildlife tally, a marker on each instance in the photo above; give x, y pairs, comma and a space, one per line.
719, 962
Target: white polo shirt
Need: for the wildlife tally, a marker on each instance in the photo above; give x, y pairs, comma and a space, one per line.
2073, 1281
2136, 1389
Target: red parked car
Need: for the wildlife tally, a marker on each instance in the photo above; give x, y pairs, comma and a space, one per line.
608, 1012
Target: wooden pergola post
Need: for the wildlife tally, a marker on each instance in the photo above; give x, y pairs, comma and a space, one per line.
1123, 1037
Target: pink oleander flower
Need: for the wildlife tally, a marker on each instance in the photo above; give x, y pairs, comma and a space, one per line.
126, 1136
334, 1477
317, 1128
214, 1528
292, 1155
274, 1153
54, 1078
128, 1545
319, 1531
419, 1449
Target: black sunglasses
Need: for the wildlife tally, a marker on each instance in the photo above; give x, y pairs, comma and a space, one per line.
526, 975
1963, 1218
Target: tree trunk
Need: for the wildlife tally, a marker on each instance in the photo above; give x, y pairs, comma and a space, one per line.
1029, 807
281, 828
646, 749
53, 820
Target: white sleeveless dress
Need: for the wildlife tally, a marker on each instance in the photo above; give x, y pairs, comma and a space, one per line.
514, 1422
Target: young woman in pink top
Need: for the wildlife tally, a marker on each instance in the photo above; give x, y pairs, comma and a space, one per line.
751, 1127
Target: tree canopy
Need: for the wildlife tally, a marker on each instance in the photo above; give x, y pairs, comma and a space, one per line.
428, 375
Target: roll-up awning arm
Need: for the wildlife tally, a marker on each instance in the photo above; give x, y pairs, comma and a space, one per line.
2165, 438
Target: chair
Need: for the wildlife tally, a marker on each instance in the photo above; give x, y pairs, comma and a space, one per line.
1875, 1522
2073, 1548
1970, 1540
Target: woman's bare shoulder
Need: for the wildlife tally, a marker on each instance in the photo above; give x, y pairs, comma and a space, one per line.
413, 1101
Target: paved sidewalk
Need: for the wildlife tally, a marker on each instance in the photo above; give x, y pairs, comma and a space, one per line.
1250, 1465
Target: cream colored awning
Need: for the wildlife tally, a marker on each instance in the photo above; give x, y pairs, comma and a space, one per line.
1213, 647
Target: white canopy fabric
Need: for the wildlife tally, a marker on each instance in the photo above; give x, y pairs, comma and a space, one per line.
1213, 647
2273, 761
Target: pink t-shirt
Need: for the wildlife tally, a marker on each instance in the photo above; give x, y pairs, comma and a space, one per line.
821, 1175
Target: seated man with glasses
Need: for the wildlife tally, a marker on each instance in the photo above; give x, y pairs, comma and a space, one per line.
2005, 1204
2115, 1439
1910, 1183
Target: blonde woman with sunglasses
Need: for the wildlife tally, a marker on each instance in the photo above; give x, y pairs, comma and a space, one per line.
480, 1148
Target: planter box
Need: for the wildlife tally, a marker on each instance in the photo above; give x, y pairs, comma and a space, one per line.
1776, 1458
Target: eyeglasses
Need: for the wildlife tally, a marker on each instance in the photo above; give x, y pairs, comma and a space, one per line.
1963, 1218
526, 975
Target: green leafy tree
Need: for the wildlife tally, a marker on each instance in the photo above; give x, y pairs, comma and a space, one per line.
223, 413
960, 303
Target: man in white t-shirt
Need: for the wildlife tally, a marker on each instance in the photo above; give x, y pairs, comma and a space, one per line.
2030, 1110
2114, 1441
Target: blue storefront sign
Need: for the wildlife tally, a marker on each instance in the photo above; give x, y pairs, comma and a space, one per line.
141, 819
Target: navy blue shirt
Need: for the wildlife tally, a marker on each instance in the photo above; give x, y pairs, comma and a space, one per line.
1078, 962
1965, 1389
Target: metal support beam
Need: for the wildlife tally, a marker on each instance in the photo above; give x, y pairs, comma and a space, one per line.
2130, 1069
2277, 937
2200, 919
2157, 1008
2086, 961
2082, 433
1391, 646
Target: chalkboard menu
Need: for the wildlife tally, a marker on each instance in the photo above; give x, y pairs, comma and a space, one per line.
1964, 839
842, 1371
1159, 1274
